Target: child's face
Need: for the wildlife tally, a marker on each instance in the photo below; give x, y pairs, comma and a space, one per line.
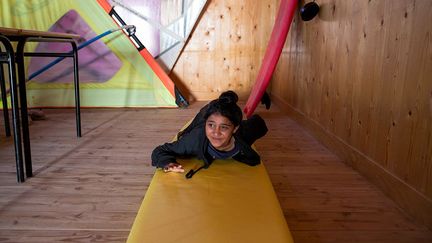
219, 131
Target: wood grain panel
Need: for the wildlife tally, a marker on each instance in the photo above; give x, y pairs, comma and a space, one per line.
361, 72
226, 48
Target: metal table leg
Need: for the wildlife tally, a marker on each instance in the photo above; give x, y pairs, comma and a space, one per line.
23, 106
77, 93
4, 102
15, 110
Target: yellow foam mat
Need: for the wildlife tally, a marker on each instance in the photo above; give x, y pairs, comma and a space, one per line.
229, 202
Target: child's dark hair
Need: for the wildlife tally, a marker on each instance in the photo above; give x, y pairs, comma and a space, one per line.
226, 107
230, 96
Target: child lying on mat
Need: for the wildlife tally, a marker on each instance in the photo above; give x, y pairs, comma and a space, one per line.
217, 132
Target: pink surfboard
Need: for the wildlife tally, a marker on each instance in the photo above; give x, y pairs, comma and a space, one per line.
274, 48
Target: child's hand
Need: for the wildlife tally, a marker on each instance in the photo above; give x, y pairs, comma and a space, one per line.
174, 167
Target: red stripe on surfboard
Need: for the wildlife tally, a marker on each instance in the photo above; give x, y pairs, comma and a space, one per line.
280, 30
157, 69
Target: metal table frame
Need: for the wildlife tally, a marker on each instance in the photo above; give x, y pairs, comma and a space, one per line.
8, 35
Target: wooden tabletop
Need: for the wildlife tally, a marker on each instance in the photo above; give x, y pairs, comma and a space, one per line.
12, 32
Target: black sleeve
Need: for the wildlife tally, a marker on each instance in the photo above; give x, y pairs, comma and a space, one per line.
247, 154
167, 153
252, 129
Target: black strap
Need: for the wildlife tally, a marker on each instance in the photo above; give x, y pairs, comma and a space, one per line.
192, 172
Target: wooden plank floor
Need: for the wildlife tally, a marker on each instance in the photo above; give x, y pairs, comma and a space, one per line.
89, 189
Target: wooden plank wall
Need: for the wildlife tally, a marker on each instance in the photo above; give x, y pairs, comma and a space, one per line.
226, 48
360, 77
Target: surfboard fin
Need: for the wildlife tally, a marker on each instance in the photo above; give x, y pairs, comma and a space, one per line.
265, 100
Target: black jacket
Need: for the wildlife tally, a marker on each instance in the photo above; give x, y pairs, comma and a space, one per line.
195, 143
